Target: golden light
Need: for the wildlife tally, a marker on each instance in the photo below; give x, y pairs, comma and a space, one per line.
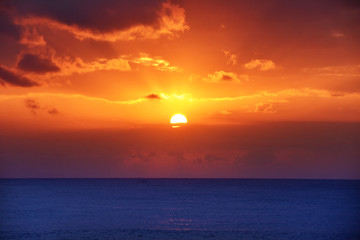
178, 118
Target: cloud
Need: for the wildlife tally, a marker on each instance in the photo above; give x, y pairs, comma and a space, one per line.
338, 94
337, 34
32, 38
32, 104
71, 97
107, 21
153, 96
335, 71
46, 68
15, 79
264, 108
35, 106
156, 62
36, 64
222, 76
53, 111
7, 28
340, 78
225, 112
230, 58
65, 66
212, 151
78, 65
261, 64
194, 77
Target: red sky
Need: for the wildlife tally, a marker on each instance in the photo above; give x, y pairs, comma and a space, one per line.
270, 88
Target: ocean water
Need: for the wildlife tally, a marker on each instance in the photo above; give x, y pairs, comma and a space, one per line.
179, 209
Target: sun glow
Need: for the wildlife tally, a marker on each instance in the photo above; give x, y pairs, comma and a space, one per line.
178, 118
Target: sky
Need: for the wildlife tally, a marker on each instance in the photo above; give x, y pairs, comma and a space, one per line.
270, 89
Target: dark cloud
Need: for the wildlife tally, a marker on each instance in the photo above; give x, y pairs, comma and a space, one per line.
33, 63
14, 79
53, 111
337, 94
98, 15
7, 27
35, 106
32, 104
153, 96
281, 150
227, 78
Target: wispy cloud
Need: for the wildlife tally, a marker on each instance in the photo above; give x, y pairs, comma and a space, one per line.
335, 71
222, 76
272, 97
230, 58
264, 108
71, 96
261, 64
32, 38
78, 65
157, 63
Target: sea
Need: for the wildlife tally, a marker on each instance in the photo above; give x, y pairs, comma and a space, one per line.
179, 209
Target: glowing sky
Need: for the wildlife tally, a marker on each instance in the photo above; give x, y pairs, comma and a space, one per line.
68, 69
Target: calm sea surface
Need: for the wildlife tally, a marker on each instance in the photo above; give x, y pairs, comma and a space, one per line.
179, 209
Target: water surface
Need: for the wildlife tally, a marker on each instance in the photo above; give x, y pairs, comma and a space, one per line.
179, 209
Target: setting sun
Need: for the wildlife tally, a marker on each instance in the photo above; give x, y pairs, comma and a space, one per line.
178, 118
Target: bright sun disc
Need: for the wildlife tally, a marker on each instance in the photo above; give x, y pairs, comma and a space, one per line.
178, 118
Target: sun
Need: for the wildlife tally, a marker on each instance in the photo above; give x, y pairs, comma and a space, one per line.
178, 118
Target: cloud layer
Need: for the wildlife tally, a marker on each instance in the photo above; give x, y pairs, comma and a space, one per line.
105, 20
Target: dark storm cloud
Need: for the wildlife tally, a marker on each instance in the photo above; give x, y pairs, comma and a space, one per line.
153, 96
14, 79
33, 63
97, 15
7, 27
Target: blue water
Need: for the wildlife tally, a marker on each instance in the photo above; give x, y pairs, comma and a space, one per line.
179, 209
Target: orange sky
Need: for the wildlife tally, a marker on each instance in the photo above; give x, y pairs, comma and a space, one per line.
66, 66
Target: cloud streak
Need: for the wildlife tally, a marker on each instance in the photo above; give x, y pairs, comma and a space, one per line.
155, 62
225, 77
260, 64
9, 77
279, 96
